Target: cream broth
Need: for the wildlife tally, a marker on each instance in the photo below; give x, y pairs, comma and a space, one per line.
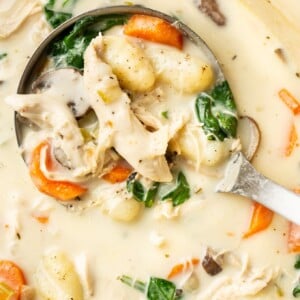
160, 239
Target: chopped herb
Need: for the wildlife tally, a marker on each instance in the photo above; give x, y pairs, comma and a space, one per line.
297, 262
140, 193
217, 112
296, 291
165, 114
2, 55
68, 51
180, 193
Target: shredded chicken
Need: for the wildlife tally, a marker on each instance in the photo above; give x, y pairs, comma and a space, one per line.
12, 17
144, 150
248, 282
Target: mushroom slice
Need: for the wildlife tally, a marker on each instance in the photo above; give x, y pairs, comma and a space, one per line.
66, 82
249, 135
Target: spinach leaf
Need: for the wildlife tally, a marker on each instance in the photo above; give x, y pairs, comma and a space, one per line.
139, 192
217, 112
180, 193
68, 51
2, 55
53, 17
296, 291
161, 289
297, 262
156, 289
222, 93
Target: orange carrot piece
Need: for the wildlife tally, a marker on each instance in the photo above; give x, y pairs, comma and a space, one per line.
290, 101
42, 219
154, 29
61, 190
178, 269
296, 190
294, 238
260, 220
118, 174
292, 142
12, 277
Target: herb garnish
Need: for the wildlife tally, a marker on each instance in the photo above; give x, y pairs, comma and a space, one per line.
139, 192
180, 193
68, 51
217, 112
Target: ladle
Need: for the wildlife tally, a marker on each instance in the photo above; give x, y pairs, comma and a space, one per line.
240, 176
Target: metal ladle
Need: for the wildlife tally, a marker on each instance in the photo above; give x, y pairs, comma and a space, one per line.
240, 176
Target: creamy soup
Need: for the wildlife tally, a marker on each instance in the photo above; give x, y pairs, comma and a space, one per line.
115, 243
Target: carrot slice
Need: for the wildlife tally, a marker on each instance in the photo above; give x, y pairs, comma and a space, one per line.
154, 29
178, 269
292, 142
118, 174
61, 190
260, 220
294, 238
11, 279
290, 101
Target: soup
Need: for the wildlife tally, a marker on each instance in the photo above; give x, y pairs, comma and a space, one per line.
196, 248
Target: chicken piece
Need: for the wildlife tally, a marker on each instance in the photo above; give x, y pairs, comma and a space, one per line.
142, 149
12, 17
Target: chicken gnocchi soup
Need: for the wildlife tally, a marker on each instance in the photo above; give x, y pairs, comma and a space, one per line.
126, 126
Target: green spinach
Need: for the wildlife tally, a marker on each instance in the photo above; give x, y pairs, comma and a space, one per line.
53, 17
296, 291
3, 55
297, 262
68, 50
139, 192
180, 193
217, 112
156, 289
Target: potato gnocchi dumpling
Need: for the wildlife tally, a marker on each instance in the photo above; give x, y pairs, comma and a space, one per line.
129, 63
184, 72
56, 278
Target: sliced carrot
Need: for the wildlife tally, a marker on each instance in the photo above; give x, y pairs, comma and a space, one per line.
296, 190
61, 190
290, 101
154, 29
294, 238
11, 279
292, 141
118, 174
180, 268
42, 219
260, 220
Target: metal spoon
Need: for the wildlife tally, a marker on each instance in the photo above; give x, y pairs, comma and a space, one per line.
241, 178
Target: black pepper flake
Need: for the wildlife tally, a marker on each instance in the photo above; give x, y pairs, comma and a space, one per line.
18, 235
234, 57
297, 74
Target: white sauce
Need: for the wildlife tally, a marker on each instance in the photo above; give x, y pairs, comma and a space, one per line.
152, 245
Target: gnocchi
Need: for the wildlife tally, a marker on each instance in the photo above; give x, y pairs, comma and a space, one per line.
56, 278
129, 63
184, 72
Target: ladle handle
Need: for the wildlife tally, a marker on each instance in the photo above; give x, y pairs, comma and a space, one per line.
241, 178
